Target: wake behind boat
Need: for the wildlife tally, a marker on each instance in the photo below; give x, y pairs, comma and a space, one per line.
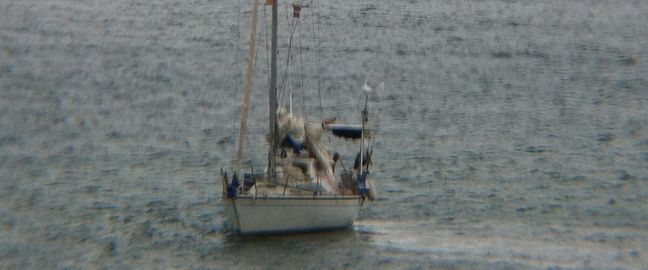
306, 186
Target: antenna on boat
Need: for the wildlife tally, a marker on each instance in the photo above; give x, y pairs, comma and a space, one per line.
362, 175
317, 53
365, 90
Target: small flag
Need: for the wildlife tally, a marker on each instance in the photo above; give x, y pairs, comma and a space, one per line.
296, 10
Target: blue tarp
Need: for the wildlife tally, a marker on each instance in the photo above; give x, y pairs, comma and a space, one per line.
289, 141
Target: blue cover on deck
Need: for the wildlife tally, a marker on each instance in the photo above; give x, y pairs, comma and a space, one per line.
289, 141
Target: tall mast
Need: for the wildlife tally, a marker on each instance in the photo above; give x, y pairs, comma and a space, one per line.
272, 153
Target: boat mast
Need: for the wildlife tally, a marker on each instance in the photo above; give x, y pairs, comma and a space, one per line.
272, 153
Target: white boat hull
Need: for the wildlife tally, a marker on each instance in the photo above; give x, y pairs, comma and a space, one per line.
283, 214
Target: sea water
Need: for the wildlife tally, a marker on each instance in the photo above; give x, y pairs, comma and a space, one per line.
506, 134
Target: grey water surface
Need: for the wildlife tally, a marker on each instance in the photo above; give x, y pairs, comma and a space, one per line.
508, 134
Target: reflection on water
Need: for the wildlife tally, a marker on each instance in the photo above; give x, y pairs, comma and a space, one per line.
510, 242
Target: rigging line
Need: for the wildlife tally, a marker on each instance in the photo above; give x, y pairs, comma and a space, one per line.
288, 56
289, 82
317, 57
301, 50
303, 104
294, 25
237, 65
265, 28
301, 75
301, 95
301, 78
256, 52
285, 75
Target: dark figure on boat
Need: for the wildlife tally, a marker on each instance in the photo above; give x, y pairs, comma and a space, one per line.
336, 157
366, 159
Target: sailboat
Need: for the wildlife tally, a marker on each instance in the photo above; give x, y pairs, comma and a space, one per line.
301, 190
